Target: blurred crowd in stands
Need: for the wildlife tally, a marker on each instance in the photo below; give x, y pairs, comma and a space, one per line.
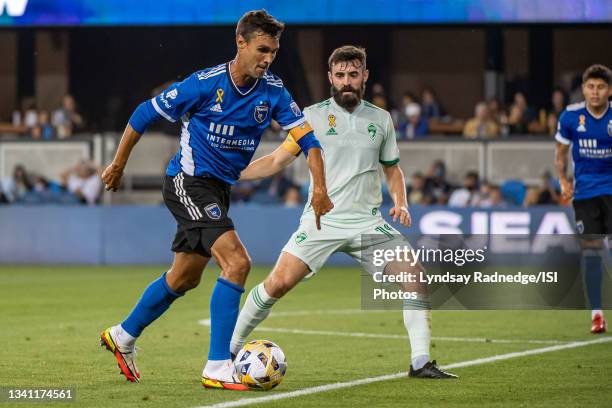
79, 184
415, 116
60, 123
434, 189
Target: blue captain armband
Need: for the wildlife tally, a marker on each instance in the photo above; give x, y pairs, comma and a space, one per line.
144, 115
307, 142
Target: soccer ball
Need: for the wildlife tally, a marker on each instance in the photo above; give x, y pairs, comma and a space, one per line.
261, 365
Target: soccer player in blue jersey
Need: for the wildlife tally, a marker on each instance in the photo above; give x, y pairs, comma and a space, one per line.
587, 128
223, 111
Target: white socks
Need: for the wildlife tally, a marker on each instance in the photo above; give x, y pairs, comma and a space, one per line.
417, 320
418, 324
221, 370
256, 308
123, 339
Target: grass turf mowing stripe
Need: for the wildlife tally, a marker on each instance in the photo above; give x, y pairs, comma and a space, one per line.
206, 322
335, 386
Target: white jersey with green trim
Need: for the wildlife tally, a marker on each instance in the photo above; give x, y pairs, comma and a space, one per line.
354, 145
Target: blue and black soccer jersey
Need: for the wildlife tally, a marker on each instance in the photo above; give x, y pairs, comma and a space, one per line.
222, 123
591, 140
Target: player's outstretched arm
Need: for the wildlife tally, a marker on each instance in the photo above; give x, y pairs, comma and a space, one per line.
303, 136
145, 114
321, 204
111, 177
268, 165
561, 162
397, 188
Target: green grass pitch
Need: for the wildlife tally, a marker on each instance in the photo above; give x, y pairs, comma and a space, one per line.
51, 318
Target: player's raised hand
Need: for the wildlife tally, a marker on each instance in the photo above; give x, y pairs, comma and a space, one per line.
111, 177
402, 213
321, 204
567, 189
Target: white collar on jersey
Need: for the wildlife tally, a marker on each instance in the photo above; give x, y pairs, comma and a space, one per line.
229, 74
597, 116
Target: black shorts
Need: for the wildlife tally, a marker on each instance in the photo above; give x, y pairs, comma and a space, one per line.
200, 206
594, 215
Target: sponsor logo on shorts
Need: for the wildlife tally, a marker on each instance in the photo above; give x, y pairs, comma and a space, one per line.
580, 227
213, 211
300, 237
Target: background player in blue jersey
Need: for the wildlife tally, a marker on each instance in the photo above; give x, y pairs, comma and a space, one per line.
587, 128
224, 111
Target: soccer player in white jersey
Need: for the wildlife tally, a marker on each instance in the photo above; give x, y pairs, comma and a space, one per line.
356, 137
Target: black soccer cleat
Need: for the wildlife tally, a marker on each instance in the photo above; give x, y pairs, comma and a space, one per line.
430, 370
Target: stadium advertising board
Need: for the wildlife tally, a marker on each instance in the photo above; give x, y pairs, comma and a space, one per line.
60, 244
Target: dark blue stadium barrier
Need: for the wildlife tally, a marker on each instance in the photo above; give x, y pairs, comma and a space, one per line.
142, 235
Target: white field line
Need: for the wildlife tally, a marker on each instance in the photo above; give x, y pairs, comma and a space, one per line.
206, 322
340, 312
326, 312
347, 384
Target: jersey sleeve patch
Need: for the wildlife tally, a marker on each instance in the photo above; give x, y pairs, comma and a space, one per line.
286, 112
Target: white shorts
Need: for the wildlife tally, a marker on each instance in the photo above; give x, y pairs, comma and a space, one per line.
314, 246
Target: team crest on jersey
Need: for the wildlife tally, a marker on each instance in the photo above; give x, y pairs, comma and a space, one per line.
295, 109
610, 128
372, 131
261, 113
581, 123
213, 211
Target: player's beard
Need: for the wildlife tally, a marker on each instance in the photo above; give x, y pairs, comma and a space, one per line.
347, 101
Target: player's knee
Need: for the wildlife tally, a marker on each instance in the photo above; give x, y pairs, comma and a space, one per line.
183, 282
238, 269
277, 285
189, 283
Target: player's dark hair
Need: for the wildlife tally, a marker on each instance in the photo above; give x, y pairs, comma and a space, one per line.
259, 22
347, 53
598, 71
